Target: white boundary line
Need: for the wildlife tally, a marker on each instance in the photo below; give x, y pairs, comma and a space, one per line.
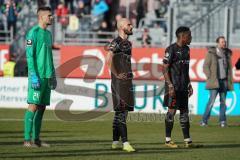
19, 119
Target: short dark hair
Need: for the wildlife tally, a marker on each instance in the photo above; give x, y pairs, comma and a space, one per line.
44, 8
218, 38
182, 29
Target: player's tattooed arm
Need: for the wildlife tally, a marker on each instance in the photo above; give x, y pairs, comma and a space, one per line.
167, 60
168, 80
112, 67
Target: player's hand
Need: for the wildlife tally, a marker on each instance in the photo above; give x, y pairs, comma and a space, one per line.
190, 90
35, 82
53, 82
171, 90
122, 76
56, 47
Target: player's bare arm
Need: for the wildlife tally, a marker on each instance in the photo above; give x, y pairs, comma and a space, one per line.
109, 58
167, 79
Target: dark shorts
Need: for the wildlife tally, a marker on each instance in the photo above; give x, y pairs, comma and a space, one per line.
122, 95
180, 101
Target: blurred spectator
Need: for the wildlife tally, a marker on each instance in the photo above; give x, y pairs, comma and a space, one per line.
21, 68
99, 7
103, 28
146, 39
109, 16
11, 12
9, 67
62, 15
54, 4
141, 9
2, 34
81, 10
41, 3
87, 5
69, 4
73, 23
161, 8
1, 3
133, 14
117, 17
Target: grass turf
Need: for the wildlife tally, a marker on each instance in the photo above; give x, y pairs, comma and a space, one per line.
91, 140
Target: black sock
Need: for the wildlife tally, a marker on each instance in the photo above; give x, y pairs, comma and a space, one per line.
121, 118
169, 121
116, 133
184, 122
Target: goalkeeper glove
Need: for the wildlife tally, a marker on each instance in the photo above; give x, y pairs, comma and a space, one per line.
53, 82
35, 82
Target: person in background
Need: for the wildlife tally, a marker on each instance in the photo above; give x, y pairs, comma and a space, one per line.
146, 39
69, 5
103, 28
11, 13
81, 10
9, 67
141, 10
62, 15
54, 4
218, 70
41, 3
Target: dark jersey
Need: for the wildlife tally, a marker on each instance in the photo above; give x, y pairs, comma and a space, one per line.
122, 51
178, 59
122, 90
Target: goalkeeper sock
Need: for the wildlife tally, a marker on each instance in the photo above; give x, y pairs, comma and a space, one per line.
28, 123
37, 123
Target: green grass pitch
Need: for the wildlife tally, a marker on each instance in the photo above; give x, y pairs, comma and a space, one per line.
91, 140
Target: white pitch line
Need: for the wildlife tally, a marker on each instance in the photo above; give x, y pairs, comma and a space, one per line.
56, 120
16, 119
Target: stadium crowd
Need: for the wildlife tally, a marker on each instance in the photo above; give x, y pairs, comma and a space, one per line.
102, 13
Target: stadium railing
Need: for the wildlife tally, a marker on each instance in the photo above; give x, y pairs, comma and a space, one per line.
87, 38
207, 21
6, 37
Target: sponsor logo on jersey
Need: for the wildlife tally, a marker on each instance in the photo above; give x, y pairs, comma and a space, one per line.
29, 42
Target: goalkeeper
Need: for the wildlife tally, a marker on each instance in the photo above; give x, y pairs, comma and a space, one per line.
41, 77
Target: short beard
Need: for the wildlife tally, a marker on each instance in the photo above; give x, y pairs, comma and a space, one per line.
128, 32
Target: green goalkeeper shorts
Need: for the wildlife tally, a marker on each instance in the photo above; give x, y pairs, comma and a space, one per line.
40, 96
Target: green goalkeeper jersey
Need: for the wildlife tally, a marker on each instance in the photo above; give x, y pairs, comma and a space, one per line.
39, 52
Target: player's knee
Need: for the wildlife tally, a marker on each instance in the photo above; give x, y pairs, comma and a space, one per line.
169, 117
32, 107
122, 118
184, 117
115, 121
41, 108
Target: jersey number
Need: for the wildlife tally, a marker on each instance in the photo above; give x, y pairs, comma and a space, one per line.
35, 96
